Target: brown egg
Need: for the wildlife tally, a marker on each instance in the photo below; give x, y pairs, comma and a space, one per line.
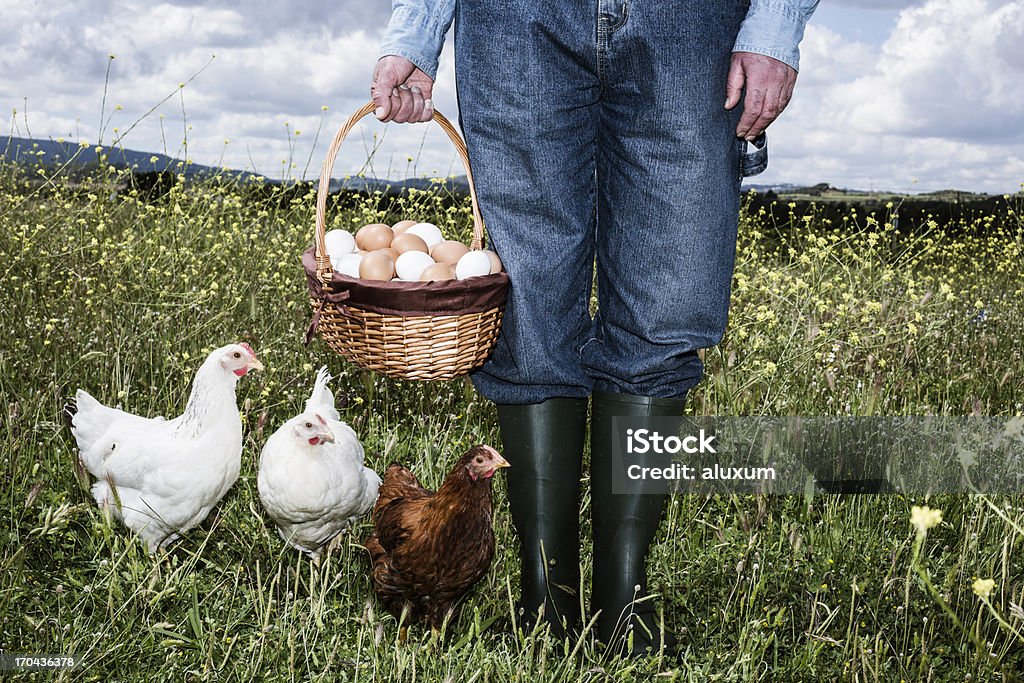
496, 266
404, 243
377, 266
401, 226
374, 236
437, 272
390, 251
449, 252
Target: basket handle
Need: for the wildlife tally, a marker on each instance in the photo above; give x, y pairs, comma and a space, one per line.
323, 261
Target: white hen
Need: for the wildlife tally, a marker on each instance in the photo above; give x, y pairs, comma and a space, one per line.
162, 477
312, 480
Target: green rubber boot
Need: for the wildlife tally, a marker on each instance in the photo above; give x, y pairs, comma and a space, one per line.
543, 443
624, 526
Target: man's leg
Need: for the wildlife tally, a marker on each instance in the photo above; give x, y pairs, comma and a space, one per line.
668, 199
528, 95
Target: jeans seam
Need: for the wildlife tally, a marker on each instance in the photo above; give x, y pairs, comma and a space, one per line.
612, 28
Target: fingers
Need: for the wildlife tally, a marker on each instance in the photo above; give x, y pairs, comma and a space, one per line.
380, 91
400, 91
408, 105
423, 106
401, 104
775, 102
417, 103
425, 92
752, 106
734, 83
769, 87
762, 113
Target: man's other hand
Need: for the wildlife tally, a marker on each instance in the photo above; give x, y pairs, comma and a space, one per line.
401, 91
769, 85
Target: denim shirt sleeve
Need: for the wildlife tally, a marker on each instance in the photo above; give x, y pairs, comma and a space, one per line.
775, 28
416, 31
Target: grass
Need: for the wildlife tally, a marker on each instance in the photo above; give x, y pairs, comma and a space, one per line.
124, 296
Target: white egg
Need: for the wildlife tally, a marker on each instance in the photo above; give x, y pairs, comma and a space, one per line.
472, 264
339, 242
347, 264
428, 232
410, 264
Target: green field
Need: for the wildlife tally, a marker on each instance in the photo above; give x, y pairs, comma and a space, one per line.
124, 297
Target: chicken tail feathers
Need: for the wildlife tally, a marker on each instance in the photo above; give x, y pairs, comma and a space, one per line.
382, 575
321, 400
396, 475
89, 421
398, 483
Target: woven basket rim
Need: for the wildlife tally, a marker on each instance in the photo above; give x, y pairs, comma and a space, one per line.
446, 297
323, 263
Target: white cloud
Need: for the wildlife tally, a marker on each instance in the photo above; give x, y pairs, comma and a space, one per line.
941, 104
941, 100
952, 68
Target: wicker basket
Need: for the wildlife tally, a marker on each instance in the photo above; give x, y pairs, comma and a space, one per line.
411, 330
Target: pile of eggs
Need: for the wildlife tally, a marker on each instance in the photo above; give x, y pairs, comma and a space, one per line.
407, 252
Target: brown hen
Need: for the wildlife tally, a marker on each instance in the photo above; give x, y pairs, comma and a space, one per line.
428, 549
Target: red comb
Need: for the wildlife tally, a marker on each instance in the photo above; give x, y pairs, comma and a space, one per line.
247, 348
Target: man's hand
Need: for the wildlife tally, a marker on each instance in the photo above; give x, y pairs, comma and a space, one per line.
401, 91
769, 85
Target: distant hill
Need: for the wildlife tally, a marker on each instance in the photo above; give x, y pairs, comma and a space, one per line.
50, 153
781, 203
951, 208
60, 152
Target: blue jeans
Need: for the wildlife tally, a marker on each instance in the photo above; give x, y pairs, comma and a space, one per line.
597, 132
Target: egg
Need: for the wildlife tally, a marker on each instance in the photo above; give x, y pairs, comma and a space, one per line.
449, 252
339, 242
411, 264
348, 264
374, 236
473, 264
403, 243
430, 233
401, 226
496, 266
390, 251
377, 266
437, 272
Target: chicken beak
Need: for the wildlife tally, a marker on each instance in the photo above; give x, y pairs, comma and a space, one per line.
326, 437
254, 364
500, 462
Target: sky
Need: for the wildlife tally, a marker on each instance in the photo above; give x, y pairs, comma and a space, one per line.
906, 96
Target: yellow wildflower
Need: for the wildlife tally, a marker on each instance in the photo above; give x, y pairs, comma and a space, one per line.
924, 518
983, 588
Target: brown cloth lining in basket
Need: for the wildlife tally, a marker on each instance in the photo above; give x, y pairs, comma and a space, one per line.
409, 299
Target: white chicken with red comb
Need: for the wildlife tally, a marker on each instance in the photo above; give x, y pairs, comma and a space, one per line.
311, 479
162, 477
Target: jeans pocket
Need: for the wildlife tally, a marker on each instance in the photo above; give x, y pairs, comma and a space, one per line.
752, 162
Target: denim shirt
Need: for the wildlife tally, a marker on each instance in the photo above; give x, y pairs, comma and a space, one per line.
417, 28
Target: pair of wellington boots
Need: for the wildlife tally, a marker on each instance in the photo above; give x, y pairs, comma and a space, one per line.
544, 444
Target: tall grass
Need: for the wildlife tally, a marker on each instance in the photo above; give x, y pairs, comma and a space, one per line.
124, 295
